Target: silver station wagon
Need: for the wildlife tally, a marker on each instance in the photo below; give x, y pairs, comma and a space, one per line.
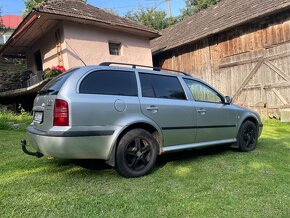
129, 115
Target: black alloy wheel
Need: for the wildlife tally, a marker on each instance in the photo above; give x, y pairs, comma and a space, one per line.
247, 137
136, 153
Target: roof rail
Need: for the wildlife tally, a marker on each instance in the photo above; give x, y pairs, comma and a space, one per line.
137, 65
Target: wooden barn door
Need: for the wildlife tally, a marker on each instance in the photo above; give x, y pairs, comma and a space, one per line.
258, 79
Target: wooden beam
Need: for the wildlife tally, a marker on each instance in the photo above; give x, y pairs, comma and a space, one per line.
248, 78
253, 60
237, 63
277, 70
280, 96
269, 86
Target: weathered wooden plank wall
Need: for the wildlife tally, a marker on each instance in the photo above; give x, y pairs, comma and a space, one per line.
250, 63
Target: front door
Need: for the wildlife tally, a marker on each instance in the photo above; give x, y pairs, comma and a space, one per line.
163, 100
215, 120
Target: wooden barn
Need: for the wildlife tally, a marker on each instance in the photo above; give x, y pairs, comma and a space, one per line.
242, 48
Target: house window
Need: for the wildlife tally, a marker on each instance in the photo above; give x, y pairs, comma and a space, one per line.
115, 48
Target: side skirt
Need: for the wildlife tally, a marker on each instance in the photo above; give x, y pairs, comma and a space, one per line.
197, 145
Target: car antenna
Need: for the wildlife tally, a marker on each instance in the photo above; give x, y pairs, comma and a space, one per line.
75, 53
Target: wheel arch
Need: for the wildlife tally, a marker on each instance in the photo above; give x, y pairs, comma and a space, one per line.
153, 129
252, 119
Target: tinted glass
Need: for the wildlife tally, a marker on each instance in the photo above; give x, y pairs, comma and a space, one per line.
53, 87
110, 82
158, 86
201, 92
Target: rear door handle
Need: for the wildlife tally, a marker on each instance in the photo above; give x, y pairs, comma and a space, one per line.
201, 111
152, 108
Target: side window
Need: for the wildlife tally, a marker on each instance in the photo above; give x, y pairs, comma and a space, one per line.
110, 82
201, 92
158, 86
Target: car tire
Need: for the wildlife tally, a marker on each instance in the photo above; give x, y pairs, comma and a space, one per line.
136, 153
247, 136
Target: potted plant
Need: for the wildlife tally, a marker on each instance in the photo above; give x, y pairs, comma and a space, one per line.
54, 71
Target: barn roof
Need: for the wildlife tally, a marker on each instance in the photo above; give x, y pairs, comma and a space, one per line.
222, 16
81, 10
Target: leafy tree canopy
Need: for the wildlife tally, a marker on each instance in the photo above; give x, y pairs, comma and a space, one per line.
1, 22
151, 17
193, 6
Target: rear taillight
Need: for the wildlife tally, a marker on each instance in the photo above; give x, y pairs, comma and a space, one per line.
60, 114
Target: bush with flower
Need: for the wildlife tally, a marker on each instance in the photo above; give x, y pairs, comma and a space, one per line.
54, 71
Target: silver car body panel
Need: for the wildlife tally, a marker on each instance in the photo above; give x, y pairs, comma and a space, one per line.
96, 121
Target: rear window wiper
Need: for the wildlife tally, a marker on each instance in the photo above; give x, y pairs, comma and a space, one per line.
46, 91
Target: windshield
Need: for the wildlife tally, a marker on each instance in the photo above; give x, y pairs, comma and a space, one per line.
53, 86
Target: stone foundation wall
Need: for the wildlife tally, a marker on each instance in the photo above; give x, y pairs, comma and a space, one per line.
9, 81
10, 70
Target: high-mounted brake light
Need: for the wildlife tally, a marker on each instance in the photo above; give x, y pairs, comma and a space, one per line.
60, 113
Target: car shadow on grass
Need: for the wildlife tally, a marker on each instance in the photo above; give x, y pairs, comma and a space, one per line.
192, 154
186, 155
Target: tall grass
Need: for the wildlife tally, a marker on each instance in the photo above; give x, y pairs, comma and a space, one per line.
14, 121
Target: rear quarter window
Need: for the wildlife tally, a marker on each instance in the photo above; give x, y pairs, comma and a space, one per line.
53, 86
110, 82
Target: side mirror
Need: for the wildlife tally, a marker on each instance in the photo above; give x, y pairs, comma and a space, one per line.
228, 100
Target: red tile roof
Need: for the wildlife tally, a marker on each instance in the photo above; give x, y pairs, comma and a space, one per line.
11, 21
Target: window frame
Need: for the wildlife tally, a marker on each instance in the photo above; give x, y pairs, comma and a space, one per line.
165, 75
95, 70
115, 43
207, 86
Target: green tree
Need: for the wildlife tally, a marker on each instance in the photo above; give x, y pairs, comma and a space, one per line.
151, 17
193, 6
30, 4
1, 21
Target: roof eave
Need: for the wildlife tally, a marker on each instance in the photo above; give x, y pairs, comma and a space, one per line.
152, 34
26, 23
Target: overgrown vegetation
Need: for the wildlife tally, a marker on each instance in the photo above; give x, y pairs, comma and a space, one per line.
13, 121
213, 182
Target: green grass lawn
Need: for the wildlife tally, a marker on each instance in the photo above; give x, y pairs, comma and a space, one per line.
215, 182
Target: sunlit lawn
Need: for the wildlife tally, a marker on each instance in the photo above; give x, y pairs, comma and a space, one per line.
215, 182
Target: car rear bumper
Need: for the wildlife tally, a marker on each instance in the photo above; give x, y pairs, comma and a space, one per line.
72, 144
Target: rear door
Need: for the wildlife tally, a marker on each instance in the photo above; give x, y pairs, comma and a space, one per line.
164, 101
215, 120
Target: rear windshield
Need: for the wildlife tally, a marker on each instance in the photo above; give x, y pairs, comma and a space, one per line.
53, 86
